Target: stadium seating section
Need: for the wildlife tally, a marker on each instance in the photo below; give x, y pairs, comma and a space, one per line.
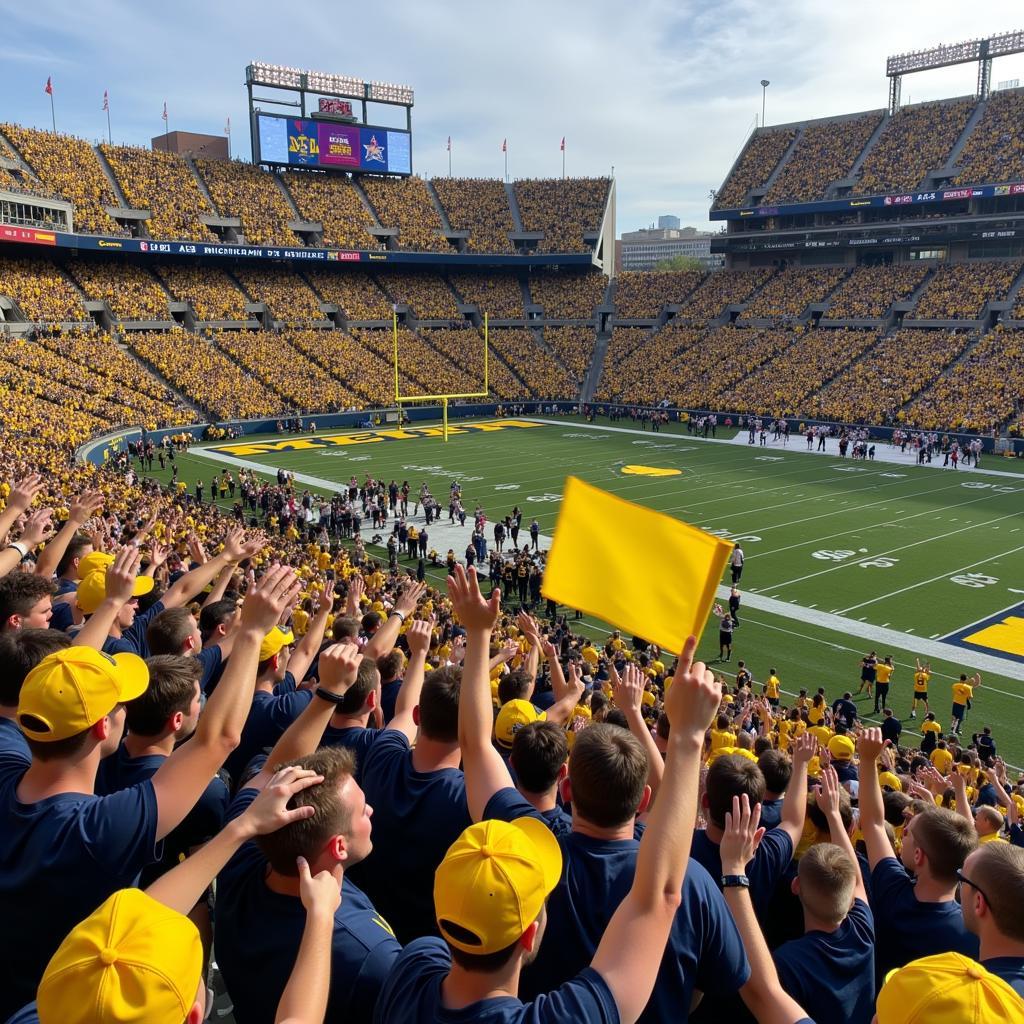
213, 293
567, 294
498, 295
332, 201
959, 291
539, 371
994, 151
353, 292
755, 166
254, 196
427, 294
563, 209
789, 293
131, 292
574, 347
479, 206
728, 287
43, 292
286, 294
641, 294
405, 203
870, 291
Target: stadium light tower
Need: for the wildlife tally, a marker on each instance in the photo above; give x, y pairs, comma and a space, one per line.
764, 91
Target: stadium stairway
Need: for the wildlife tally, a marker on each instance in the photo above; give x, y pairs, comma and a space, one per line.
513, 205
949, 169
596, 368
761, 191
24, 167
365, 199
151, 371
191, 164
111, 177
847, 183
439, 206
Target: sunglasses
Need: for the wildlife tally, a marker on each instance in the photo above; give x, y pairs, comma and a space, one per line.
961, 881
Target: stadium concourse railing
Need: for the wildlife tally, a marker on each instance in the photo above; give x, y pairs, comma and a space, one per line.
98, 449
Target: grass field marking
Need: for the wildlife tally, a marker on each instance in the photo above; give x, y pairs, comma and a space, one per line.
985, 618
892, 551
934, 579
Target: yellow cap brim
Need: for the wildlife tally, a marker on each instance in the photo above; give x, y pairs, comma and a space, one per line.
132, 674
143, 585
549, 853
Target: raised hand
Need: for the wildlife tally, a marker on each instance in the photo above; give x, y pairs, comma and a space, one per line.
528, 627
121, 573
458, 650
418, 636
826, 795
628, 689
38, 528
85, 506
320, 893
269, 811
869, 745
409, 598
468, 603
24, 492
338, 667
742, 835
805, 746
234, 546
263, 606
694, 697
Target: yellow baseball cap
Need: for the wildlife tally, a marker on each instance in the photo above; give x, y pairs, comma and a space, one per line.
493, 882
132, 960
71, 690
947, 988
274, 641
93, 589
512, 717
841, 748
890, 781
92, 562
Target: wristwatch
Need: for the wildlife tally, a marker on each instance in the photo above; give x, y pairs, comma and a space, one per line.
331, 698
735, 882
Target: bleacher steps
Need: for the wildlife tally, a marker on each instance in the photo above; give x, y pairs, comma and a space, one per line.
850, 181
596, 368
950, 169
152, 371
191, 164
101, 159
513, 205
755, 195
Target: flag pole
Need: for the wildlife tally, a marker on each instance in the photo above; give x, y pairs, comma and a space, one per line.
449, 156
563, 159
53, 114
505, 150
106, 107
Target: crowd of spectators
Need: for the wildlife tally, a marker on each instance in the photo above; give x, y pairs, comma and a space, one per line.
464, 348
17, 179
758, 160
916, 140
254, 196
721, 289
422, 369
204, 375
981, 392
783, 384
790, 292
636, 366
354, 292
286, 294
876, 387
568, 294
869, 291
499, 295
161, 182
825, 152
211, 291
366, 372
332, 201
131, 292
542, 374
959, 291
425, 292
68, 167
405, 203
641, 294
42, 291
280, 366
574, 346
479, 206
994, 151
563, 209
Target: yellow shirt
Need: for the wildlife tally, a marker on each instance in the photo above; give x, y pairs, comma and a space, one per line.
883, 672
589, 655
822, 733
721, 738
921, 681
992, 837
815, 714
300, 621
962, 693
771, 687
942, 759
931, 727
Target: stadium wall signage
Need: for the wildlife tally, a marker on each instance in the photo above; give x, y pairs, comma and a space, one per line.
849, 203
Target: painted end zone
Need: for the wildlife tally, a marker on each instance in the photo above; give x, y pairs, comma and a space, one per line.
297, 444
1001, 635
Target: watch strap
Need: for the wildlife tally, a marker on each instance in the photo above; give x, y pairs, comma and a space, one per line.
735, 882
331, 698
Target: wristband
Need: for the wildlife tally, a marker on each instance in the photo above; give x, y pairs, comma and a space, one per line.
20, 547
331, 698
399, 614
735, 882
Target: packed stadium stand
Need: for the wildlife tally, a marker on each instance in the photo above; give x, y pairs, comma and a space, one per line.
567, 295
640, 294
994, 151
870, 291
789, 293
959, 291
574, 347
721, 289
44, 294
356, 293
479, 206
252, 195
405, 203
539, 371
754, 166
426, 293
332, 201
498, 295
366, 372
286, 294
213, 293
564, 210
131, 292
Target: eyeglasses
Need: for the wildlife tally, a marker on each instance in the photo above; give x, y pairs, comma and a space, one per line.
961, 881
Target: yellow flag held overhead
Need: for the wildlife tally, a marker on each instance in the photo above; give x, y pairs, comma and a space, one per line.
639, 570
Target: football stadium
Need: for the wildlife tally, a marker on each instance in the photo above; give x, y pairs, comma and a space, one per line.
505, 594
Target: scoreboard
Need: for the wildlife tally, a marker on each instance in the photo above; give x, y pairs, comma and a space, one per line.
303, 142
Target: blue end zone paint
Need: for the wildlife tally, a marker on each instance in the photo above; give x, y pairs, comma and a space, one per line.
959, 638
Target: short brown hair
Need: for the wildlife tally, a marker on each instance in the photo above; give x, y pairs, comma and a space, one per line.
608, 771
439, 704
538, 752
20, 652
172, 688
817, 816
999, 871
168, 632
390, 665
367, 680
777, 770
20, 592
946, 838
827, 880
306, 837
732, 775
515, 686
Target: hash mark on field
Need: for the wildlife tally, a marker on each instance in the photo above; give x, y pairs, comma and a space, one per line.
884, 624
812, 606
935, 636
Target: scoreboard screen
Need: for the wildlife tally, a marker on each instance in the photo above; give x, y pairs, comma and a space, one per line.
302, 142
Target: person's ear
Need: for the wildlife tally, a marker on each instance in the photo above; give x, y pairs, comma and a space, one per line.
416, 716
529, 937
645, 800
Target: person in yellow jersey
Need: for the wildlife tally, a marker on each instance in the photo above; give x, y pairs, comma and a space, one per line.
721, 735
931, 732
883, 674
963, 691
922, 673
941, 758
772, 688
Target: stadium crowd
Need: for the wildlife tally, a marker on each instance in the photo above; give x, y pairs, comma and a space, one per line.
426, 293
958, 291
405, 203
354, 292
718, 290
252, 195
640, 294
498, 295
994, 151
564, 209
753, 169
869, 292
332, 201
464, 347
637, 365
210, 290
574, 347
479, 206
286, 294
788, 294
131, 291
44, 294
568, 294
539, 371
338, 353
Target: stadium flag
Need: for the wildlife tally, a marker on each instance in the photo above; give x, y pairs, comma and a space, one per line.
449, 143
562, 147
106, 107
164, 114
49, 86
504, 145
49, 92
106, 101
639, 570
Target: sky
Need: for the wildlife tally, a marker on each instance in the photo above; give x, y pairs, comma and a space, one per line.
666, 93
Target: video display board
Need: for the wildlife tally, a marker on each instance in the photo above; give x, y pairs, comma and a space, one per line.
302, 142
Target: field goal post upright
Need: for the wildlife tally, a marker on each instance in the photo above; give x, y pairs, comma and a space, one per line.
443, 399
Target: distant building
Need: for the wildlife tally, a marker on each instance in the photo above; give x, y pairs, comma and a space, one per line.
641, 250
206, 147
668, 220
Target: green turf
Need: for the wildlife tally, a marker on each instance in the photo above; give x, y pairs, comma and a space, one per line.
877, 542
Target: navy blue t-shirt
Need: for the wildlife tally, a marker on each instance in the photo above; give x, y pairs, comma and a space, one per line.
210, 658
63, 618
908, 928
832, 974
412, 995
764, 871
389, 698
771, 812
133, 640
416, 817
268, 720
259, 932
704, 949
60, 858
13, 739
356, 738
202, 823
1010, 969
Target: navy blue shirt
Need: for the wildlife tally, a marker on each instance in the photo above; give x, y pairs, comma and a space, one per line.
771, 812
62, 617
133, 640
356, 738
60, 858
832, 974
389, 698
13, 739
210, 658
259, 932
764, 871
909, 928
412, 995
416, 817
704, 949
268, 720
1010, 969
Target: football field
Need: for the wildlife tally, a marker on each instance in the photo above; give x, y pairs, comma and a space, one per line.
843, 556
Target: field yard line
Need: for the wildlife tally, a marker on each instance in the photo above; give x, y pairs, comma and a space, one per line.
923, 583
892, 551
